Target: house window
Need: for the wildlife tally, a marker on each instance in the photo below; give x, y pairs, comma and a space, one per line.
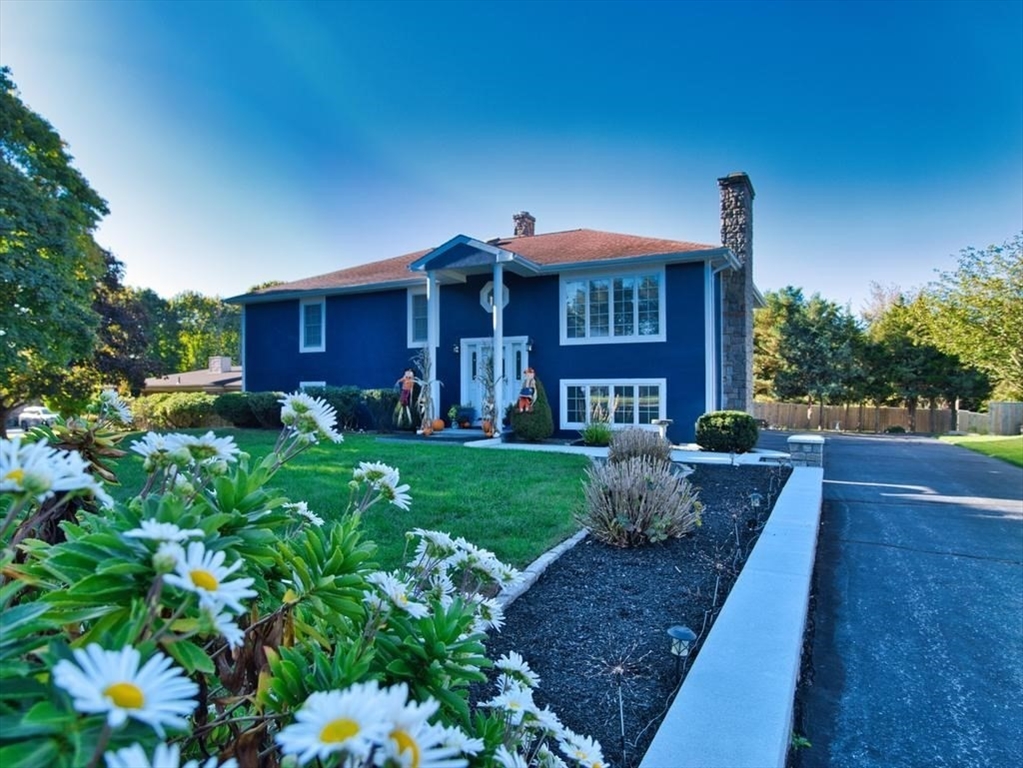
418, 317
312, 337
306, 385
613, 308
621, 402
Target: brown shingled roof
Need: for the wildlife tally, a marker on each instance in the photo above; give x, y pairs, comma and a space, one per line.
571, 247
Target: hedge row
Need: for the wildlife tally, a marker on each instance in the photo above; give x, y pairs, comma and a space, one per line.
369, 409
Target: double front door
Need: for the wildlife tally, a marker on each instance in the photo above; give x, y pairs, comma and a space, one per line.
475, 355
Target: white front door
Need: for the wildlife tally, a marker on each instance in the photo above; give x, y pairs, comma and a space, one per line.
475, 353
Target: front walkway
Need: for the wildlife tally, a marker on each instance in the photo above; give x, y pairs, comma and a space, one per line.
918, 644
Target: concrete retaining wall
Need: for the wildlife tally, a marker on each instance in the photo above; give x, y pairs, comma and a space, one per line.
735, 707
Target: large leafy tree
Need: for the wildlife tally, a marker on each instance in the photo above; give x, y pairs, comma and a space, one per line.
818, 356
48, 267
976, 313
207, 327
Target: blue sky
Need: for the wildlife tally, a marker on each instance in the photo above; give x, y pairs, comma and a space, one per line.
242, 142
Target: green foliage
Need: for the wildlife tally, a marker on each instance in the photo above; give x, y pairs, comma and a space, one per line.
638, 500
895, 429
48, 261
976, 313
537, 424
266, 407
346, 400
207, 327
597, 433
634, 442
1008, 449
727, 432
268, 606
174, 410
234, 408
379, 405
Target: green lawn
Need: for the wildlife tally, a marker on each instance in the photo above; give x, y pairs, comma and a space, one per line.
1008, 449
517, 504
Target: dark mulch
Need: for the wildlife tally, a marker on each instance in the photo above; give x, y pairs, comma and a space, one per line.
597, 619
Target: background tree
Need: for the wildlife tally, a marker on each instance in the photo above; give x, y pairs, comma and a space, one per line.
817, 356
768, 321
206, 327
48, 267
976, 314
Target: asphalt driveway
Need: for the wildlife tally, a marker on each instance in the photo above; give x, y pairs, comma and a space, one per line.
917, 651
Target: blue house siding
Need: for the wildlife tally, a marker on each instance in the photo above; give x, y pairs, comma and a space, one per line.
366, 342
365, 335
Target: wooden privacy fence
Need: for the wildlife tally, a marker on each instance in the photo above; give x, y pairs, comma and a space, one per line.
1001, 418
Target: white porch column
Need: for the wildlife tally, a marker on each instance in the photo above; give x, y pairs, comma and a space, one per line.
500, 390
433, 336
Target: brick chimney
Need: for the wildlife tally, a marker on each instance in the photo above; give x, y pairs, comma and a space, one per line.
737, 294
525, 224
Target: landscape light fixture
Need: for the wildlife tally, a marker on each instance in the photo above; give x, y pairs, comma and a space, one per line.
529, 344
755, 499
455, 348
682, 639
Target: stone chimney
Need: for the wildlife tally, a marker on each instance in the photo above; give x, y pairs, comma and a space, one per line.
525, 224
737, 294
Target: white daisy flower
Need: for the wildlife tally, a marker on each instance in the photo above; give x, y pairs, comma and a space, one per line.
374, 473
517, 668
455, 737
311, 417
302, 509
98, 681
489, 614
225, 626
508, 759
210, 450
113, 408
165, 756
436, 543
584, 751
161, 451
411, 740
202, 571
396, 591
548, 721
545, 758
39, 471
151, 529
515, 700
350, 722
396, 494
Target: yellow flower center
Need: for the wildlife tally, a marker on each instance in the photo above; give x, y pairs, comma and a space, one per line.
407, 744
17, 475
125, 695
204, 580
339, 730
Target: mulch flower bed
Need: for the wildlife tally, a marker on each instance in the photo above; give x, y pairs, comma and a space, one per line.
594, 625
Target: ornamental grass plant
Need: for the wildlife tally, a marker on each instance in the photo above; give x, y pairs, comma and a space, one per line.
207, 618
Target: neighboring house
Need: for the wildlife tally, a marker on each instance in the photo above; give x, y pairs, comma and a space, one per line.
662, 328
218, 377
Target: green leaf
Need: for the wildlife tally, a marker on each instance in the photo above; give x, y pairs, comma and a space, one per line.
191, 657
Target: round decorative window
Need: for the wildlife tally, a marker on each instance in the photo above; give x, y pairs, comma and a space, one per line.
487, 296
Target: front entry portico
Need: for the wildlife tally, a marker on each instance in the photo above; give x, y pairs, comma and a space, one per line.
474, 355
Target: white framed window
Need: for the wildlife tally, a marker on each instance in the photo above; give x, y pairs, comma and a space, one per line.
304, 385
602, 308
623, 402
312, 317
418, 317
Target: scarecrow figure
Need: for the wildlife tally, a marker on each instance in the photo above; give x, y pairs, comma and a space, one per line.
527, 395
403, 412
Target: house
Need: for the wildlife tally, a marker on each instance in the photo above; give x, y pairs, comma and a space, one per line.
653, 328
217, 377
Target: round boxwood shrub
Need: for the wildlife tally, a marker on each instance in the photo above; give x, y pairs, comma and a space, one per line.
727, 432
537, 424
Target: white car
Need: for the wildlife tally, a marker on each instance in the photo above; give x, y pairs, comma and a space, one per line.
35, 415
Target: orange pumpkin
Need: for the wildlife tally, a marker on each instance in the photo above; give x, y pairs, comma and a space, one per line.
438, 425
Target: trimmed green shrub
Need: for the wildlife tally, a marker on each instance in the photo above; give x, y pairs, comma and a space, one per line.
727, 432
377, 411
537, 424
895, 429
597, 433
173, 410
266, 407
638, 500
345, 400
632, 442
234, 407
